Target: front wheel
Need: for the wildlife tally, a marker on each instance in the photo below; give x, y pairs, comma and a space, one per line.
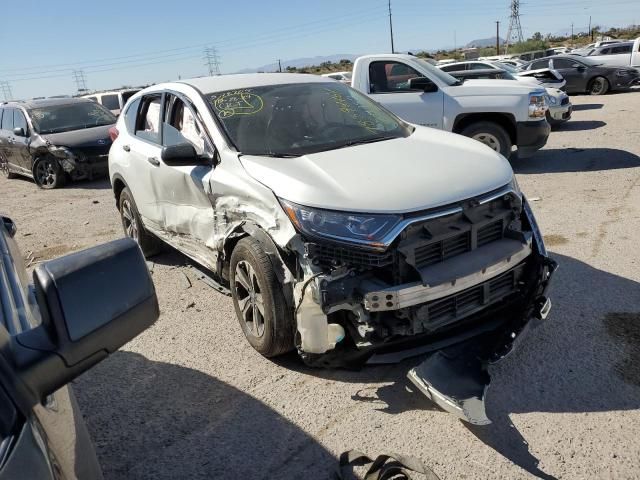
260, 306
47, 173
492, 135
598, 86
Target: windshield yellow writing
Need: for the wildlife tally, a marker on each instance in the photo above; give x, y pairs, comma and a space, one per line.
237, 102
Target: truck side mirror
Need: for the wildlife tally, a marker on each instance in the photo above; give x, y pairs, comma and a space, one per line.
422, 83
91, 302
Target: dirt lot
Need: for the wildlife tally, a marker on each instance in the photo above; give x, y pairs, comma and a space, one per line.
190, 399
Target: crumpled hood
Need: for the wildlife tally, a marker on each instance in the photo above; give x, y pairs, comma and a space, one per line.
482, 86
430, 168
86, 137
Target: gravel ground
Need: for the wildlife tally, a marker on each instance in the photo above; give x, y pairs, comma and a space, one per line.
189, 398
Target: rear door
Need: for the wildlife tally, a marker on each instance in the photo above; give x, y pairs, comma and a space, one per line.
389, 85
574, 72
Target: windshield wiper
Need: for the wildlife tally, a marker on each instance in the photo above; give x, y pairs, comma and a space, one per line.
366, 140
273, 155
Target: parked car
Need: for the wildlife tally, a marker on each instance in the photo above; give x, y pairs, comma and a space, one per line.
340, 230
75, 311
500, 114
113, 100
621, 54
560, 107
546, 77
590, 47
344, 77
584, 75
54, 139
514, 62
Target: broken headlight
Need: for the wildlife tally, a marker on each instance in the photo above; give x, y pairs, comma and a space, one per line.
362, 228
61, 152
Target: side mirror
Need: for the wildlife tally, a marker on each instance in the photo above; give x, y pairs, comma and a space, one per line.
92, 303
422, 83
19, 132
180, 154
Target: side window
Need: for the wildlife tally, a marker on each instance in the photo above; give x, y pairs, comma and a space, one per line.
148, 120
452, 68
622, 49
563, 63
93, 99
540, 64
111, 102
131, 114
7, 119
390, 77
181, 126
19, 121
479, 66
605, 51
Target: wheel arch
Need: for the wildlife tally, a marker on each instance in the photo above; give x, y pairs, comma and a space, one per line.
505, 120
118, 185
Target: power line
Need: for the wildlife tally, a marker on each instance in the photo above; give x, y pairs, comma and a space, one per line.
212, 60
80, 79
6, 90
514, 32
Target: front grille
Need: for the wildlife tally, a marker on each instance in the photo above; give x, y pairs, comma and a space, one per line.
333, 254
93, 152
441, 250
466, 302
564, 101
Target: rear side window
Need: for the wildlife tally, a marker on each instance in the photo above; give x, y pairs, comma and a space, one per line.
539, 64
622, 49
479, 66
452, 68
131, 114
19, 121
111, 102
148, 119
7, 119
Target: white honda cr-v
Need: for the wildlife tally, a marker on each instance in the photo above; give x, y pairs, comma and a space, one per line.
340, 230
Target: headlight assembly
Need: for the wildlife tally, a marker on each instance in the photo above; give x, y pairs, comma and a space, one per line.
551, 100
361, 228
60, 152
537, 105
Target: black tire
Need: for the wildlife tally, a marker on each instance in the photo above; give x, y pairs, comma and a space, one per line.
133, 227
270, 331
48, 174
598, 86
4, 169
491, 134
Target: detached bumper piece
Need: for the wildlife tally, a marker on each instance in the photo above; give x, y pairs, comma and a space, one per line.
456, 380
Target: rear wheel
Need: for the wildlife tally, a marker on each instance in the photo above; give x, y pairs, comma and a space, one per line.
492, 135
48, 174
260, 306
133, 227
4, 168
598, 86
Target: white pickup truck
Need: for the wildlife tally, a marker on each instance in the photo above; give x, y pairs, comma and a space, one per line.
499, 113
621, 54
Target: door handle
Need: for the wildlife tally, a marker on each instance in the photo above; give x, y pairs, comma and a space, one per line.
12, 140
153, 161
126, 148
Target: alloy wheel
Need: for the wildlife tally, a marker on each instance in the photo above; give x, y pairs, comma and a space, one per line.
249, 297
129, 220
489, 140
46, 173
598, 86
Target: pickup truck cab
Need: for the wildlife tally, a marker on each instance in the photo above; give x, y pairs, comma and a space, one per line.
500, 114
621, 54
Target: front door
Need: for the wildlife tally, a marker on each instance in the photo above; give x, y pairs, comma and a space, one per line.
573, 72
20, 144
389, 85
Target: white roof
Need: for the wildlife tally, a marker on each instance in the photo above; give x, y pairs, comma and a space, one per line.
221, 83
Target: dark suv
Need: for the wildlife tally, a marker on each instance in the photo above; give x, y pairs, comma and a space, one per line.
73, 313
54, 139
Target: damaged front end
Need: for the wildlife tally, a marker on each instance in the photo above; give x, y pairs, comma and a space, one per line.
463, 281
82, 163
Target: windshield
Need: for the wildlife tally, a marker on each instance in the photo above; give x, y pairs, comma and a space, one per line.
70, 116
436, 72
506, 66
300, 118
585, 61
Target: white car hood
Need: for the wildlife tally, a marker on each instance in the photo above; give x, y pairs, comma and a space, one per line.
490, 86
428, 169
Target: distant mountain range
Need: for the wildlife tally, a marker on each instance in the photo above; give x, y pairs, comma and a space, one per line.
483, 42
301, 62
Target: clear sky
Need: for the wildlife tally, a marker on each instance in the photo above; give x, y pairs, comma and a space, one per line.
133, 42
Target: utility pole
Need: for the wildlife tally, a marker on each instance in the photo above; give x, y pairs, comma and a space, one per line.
212, 60
572, 32
514, 32
590, 31
497, 37
6, 90
391, 28
279, 66
80, 79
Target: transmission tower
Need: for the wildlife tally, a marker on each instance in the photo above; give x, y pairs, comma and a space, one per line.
212, 60
514, 32
80, 79
6, 90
